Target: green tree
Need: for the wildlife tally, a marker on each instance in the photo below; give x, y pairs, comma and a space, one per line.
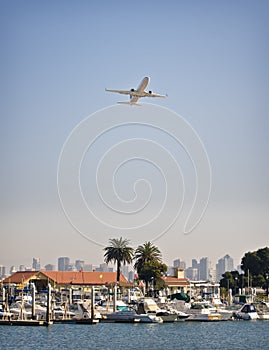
152, 271
119, 252
145, 253
257, 265
149, 264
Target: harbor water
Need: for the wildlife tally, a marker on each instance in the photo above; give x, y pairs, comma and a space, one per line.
188, 335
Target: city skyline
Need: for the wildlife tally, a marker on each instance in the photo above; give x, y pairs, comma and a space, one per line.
204, 265
210, 133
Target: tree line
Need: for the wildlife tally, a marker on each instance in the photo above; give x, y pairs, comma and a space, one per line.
147, 260
255, 267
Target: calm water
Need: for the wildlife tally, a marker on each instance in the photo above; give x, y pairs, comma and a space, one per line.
220, 335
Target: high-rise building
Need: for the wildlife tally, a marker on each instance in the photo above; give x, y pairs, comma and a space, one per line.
36, 264
12, 269
2, 271
179, 263
192, 273
223, 265
22, 268
88, 267
204, 269
194, 264
63, 263
79, 265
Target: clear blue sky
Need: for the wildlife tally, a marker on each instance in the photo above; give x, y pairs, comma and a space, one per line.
57, 58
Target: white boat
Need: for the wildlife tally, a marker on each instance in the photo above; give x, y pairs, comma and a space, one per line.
203, 311
21, 310
262, 309
149, 306
247, 312
132, 316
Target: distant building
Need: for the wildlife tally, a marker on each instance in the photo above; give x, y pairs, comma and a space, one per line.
79, 265
194, 264
204, 269
192, 273
88, 267
179, 263
131, 275
223, 265
102, 268
12, 270
2, 272
36, 264
212, 275
239, 269
125, 271
22, 268
63, 263
176, 263
170, 271
49, 267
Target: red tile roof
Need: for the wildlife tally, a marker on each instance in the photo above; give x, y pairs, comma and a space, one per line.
83, 277
67, 277
20, 277
174, 281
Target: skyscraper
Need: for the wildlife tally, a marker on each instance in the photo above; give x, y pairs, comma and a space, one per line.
36, 264
63, 263
204, 269
179, 263
223, 265
79, 265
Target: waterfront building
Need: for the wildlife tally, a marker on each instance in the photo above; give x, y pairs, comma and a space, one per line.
63, 263
36, 264
224, 264
176, 283
65, 279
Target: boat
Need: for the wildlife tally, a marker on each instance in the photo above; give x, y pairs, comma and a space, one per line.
149, 306
262, 309
203, 311
131, 316
247, 312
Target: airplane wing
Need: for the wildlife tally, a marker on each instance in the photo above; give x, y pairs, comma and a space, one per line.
151, 94
125, 92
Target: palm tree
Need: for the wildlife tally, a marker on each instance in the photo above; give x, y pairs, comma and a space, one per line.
146, 253
119, 252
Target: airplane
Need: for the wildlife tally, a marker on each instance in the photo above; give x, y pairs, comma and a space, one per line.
136, 94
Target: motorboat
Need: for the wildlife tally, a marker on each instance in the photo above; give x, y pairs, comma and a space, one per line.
262, 308
131, 316
203, 311
247, 312
149, 306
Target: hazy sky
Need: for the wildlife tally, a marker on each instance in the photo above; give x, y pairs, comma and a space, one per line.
57, 58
